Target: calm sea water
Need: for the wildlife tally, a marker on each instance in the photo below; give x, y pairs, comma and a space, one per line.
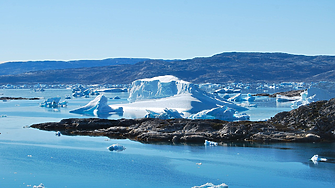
29, 156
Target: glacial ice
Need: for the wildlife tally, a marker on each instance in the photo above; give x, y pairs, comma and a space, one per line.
53, 103
222, 113
116, 147
211, 185
315, 159
39, 186
168, 92
210, 143
97, 107
166, 114
158, 87
316, 92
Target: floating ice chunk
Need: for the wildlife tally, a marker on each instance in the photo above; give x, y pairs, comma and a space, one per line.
58, 133
236, 98
97, 107
166, 114
39, 186
222, 113
283, 98
227, 90
250, 98
211, 185
315, 159
116, 147
210, 143
53, 103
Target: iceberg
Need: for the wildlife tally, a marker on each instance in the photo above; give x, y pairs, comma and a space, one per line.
116, 147
210, 143
315, 159
98, 107
250, 98
282, 98
222, 113
167, 114
316, 92
169, 92
236, 98
39, 186
211, 185
53, 103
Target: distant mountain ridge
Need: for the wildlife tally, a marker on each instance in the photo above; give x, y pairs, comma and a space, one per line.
18, 67
221, 68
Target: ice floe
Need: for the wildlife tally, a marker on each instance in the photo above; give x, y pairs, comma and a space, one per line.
211, 185
315, 159
210, 143
39, 186
98, 107
116, 147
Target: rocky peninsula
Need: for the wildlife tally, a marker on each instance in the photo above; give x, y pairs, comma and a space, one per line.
314, 122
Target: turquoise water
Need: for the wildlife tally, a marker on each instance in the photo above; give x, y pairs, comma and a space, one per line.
29, 156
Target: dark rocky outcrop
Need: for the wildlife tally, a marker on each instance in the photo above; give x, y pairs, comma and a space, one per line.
292, 93
310, 123
19, 98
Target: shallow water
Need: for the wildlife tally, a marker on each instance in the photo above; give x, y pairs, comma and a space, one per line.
30, 156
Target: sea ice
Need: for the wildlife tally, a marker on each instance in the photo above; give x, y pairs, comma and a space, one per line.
211, 185
116, 147
97, 107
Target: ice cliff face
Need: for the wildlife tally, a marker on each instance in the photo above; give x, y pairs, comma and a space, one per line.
158, 87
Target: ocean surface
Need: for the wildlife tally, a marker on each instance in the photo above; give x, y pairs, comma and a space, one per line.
29, 156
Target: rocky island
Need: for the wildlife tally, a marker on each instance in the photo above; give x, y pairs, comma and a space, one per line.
314, 122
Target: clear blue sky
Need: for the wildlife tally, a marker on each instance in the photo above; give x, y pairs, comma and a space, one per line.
169, 29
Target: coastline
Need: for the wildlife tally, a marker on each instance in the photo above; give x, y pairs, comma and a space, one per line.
314, 122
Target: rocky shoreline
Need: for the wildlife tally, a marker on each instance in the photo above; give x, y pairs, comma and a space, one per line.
314, 122
19, 98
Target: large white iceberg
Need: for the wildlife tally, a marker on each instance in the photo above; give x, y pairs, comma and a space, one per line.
98, 107
169, 92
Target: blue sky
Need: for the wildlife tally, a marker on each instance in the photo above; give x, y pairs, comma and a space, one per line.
169, 29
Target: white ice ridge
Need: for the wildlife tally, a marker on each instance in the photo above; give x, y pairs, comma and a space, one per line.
169, 92
97, 106
211, 185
